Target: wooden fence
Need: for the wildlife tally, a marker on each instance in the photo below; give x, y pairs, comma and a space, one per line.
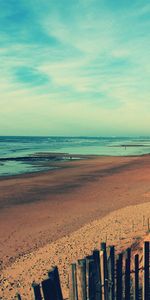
103, 275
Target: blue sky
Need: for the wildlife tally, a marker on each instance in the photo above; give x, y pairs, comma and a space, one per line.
75, 67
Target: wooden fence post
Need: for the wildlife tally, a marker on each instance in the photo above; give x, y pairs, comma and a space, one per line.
54, 275
104, 274
111, 272
136, 277
81, 279
105, 269
90, 279
49, 290
37, 291
73, 292
103, 246
96, 257
127, 274
119, 277
146, 274
18, 296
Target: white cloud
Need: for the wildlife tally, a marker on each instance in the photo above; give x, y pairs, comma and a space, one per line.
99, 70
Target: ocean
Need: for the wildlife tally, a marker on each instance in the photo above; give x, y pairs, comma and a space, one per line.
14, 149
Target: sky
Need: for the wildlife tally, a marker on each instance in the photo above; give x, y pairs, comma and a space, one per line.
75, 67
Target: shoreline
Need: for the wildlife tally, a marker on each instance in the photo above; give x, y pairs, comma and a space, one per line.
44, 162
54, 161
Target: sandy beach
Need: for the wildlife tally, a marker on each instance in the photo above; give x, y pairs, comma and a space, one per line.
116, 228
42, 212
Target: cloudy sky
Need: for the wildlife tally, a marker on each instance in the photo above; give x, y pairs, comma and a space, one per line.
75, 67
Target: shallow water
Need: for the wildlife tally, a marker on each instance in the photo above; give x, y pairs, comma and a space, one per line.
16, 167
14, 147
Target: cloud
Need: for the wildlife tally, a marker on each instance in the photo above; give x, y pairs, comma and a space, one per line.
84, 54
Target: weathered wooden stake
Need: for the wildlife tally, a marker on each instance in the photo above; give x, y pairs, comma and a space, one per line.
18, 296
81, 279
96, 257
49, 290
90, 279
146, 274
127, 274
104, 273
37, 291
54, 275
136, 277
73, 292
119, 277
111, 272
103, 246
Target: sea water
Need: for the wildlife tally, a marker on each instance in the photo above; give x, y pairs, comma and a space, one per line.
15, 147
